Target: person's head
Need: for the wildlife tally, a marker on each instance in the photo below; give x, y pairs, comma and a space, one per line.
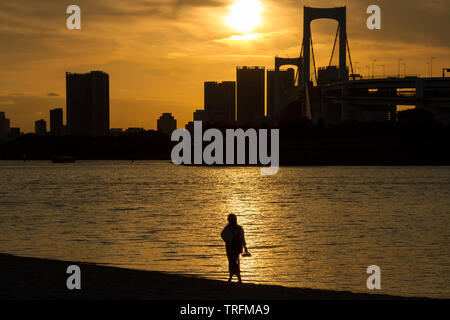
232, 219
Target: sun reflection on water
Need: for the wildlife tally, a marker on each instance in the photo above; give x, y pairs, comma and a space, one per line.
311, 227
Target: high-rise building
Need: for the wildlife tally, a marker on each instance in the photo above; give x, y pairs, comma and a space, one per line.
40, 127
220, 101
190, 127
56, 121
250, 94
87, 101
286, 82
200, 115
166, 123
4, 125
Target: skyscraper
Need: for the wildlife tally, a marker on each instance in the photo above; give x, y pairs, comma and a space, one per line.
87, 101
200, 115
40, 127
4, 125
250, 94
220, 101
166, 123
287, 82
56, 121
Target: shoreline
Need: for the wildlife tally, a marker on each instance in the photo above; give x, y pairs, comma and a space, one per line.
35, 278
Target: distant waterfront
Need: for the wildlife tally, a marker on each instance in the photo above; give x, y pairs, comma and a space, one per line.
317, 227
416, 141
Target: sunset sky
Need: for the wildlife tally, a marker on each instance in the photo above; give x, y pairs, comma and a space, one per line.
158, 53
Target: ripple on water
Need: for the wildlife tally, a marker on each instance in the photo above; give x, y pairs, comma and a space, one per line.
317, 227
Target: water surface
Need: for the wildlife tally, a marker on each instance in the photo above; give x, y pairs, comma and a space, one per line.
317, 227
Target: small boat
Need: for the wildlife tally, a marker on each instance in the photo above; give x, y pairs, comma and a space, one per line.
63, 159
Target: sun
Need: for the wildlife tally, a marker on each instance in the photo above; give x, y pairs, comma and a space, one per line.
245, 15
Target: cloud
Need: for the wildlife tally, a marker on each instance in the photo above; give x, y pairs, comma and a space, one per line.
403, 21
201, 3
156, 50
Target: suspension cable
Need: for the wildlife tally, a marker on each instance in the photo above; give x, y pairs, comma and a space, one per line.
350, 57
314, 60
334, 45
297, 74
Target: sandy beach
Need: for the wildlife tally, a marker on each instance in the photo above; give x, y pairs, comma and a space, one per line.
32, 278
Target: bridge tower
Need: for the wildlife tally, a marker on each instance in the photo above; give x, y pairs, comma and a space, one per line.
340, 15
311, 14
277, 92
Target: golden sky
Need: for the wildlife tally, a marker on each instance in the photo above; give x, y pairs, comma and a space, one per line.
158, 53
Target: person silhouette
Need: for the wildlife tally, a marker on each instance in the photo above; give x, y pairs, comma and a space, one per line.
233, 235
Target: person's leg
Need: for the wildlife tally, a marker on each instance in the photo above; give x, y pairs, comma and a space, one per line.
230, 268
238, 270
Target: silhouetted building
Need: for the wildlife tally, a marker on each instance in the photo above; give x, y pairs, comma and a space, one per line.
200, 115
134, 130
220, 101
250, 94
87, 101
329, 74
4, 125
116, 131
56, 121
40, 127
190, 127
286, 81
14, 133
166, 123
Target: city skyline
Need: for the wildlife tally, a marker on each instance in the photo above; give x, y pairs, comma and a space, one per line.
196, 44
220, 104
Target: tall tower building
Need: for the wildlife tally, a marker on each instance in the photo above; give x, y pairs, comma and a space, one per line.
220, 101
56, 121
199, 115
40, 127
87, 101
286, 81
4, 125
166, 123
250, 94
